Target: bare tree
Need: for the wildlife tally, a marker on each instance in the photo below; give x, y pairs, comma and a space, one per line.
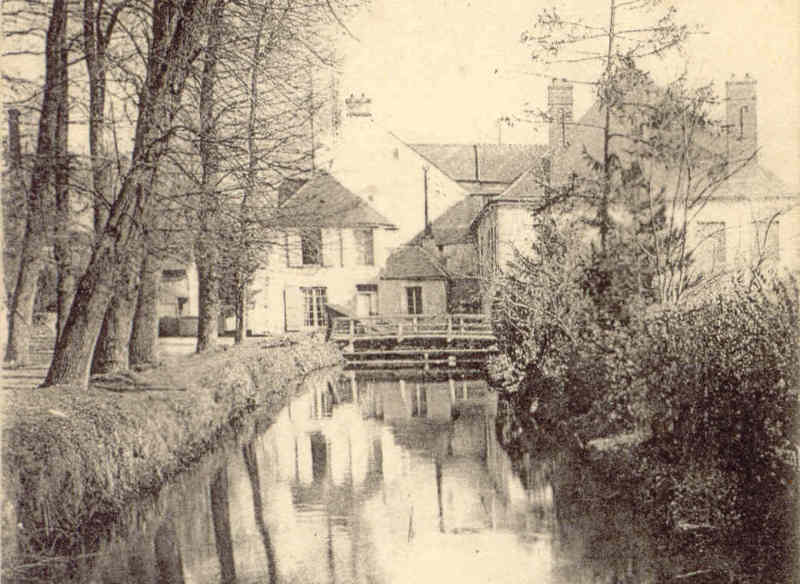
38, 195
562, 40
175, 39
206, 246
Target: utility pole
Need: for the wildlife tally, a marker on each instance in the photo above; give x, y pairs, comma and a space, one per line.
427, 222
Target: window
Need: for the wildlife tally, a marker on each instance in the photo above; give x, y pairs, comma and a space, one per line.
314, 300
365, 254
311, 246
173, 275
366, 299
713, 243
766, 242
414, 299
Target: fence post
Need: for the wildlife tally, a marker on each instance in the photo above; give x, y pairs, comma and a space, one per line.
351, 346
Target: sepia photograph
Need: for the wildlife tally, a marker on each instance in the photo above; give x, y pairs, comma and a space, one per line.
400, 292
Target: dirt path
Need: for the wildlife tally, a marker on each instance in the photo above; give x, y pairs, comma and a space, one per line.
42, 346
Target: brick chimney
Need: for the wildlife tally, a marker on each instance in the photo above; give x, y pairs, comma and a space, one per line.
358, 107
559, 113
742, 123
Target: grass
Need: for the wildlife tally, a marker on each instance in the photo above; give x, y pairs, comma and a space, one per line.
73, 459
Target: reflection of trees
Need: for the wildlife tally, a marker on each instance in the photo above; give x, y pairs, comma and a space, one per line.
220, 515
248, 452
169, 562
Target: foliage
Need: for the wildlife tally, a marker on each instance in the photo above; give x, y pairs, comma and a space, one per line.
710, 388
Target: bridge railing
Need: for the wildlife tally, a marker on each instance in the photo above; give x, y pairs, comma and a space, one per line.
446, 326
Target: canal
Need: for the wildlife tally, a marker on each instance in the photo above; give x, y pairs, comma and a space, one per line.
380, 478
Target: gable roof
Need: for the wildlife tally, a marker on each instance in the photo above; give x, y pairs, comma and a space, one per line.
323, 201
453, 226
482, 163
751, 180
413, 262
530, 184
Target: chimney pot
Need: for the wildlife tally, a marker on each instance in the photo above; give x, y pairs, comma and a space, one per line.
741, 117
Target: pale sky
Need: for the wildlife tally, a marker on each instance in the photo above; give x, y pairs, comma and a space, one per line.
445, 70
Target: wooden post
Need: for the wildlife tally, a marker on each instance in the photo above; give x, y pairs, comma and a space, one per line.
449, 329
351, 345
399, 332
452, 383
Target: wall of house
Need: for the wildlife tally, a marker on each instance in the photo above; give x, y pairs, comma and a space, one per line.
502, 229
514, 232
389, 175
392, 296
339, 275
740, 219
460, 259
487, 243
173, 288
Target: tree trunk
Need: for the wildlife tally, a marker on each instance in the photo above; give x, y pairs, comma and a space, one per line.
241, 294
63, 245
207, 245
21, 310
94, 47
207, 257
143, 348
111, 352
174, 41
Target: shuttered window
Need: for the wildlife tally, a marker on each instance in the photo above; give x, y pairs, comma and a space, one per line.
365, 247
311, 247
414, 299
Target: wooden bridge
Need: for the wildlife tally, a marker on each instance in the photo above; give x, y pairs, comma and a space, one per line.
421, 340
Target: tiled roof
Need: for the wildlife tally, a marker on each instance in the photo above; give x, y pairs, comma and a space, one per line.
751, 181
530, 184
495, 162
453, 225
413, 262
323, 201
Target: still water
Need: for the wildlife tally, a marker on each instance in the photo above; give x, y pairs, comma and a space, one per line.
384, 479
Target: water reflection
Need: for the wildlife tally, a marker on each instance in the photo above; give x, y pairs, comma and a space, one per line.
382, 480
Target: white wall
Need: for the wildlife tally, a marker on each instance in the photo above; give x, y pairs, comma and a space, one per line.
267, 314
388, 174
739, 217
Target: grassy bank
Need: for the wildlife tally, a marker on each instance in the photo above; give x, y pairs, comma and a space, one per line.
73, 459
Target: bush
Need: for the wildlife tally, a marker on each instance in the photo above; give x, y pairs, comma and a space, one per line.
712, 388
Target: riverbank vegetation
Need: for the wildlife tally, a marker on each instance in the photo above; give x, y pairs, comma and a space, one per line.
73, 458
671, 370
692, 407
